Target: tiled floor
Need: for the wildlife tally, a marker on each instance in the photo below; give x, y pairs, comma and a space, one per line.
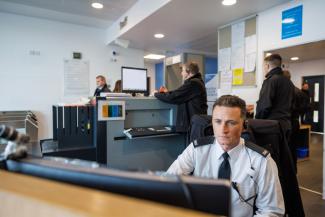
310, 176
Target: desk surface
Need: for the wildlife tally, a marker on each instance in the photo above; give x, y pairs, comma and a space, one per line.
22, 195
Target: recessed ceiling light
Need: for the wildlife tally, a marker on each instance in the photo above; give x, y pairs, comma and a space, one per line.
154, 56
97, 5
288, 20
159, 35
294, 58
268, 54
229, 2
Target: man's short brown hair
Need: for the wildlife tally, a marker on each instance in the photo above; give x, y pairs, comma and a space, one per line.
231, 101
274, 60
101, 77
192, 67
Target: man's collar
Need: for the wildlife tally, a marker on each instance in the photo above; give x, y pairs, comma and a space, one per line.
274, 71
233, 153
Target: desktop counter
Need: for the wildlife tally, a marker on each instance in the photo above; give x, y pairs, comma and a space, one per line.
139, 132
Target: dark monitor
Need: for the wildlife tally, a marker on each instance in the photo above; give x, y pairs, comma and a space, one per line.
207, 195
134, 80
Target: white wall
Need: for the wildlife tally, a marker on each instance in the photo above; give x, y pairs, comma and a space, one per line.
269, 36
307, 68
35, 82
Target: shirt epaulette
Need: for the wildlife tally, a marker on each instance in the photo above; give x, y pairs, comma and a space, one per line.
256, 148
203, 141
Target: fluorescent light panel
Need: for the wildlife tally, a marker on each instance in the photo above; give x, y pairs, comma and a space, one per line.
229, 2
97, 5
294, 58
159, 35
154, 56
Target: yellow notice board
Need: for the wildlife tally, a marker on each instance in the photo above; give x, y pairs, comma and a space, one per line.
237, 76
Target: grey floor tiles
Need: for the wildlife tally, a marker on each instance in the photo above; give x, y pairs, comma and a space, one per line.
310, 176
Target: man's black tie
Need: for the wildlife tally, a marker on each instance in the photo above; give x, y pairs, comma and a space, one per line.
224, 169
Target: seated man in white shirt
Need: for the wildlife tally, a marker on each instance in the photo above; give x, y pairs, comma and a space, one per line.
250, 168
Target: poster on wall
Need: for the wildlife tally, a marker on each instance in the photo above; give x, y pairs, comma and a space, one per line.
238, 45
292, 22
76, 78
211, 85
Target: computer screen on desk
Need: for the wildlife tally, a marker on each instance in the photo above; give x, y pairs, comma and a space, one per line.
134, 80
207, 195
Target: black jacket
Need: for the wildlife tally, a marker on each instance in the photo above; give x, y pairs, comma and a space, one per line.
191, 99
301, 103
276, 97
105, 89
269, 135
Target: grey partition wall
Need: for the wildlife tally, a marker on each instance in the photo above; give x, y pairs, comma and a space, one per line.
147, 152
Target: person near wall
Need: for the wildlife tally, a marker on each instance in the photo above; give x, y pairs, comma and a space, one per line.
118, 87
306, 114
250, 168
191, 97
102, 87
276, 96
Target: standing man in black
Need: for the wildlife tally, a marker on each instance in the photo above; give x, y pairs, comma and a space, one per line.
298, 108
277, 95
306, 114
276, 102
191, 97
101, 85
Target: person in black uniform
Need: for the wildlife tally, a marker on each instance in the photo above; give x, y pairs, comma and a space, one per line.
191, 97
297, 109
101, 85
306, 114
276, 96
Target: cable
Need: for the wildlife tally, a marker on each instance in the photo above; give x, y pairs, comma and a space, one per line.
186, 192
256, 188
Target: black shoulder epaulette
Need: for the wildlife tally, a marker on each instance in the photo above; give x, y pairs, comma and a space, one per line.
262, 151
203, 141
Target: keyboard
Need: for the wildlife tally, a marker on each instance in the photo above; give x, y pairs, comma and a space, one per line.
148, 131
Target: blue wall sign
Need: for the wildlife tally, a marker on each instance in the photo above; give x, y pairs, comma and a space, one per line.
292, 22
211, 70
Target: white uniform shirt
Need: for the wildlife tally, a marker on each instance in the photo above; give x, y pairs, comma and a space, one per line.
252, 172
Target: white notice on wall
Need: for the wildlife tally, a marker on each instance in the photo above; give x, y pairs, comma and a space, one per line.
238, 45
250, 62
237, 56
76, 78
316, 92
224, 59
225, 82
238, 33
250, 44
